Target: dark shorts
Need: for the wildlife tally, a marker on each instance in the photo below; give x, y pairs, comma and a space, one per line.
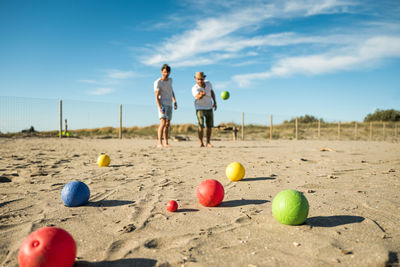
207, 115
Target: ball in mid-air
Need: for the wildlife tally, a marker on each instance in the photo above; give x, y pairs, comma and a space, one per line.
290, 207
224, 95
210, 193
75, 194
235, 171
172, 206
103, 160
48, 246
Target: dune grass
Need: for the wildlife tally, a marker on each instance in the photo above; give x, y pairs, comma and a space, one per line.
306, 131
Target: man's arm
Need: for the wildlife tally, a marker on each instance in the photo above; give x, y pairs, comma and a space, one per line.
174, 100
213, 98
157, 92
200, 95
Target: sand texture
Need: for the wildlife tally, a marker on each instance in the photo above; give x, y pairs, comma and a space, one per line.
353, 189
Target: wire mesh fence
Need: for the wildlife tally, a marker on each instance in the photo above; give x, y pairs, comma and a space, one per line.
83, 118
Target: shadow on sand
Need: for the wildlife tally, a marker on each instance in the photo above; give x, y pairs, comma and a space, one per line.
109, 203
332, 221
121, 165
257, 179
241, 202
187, 210
137, 262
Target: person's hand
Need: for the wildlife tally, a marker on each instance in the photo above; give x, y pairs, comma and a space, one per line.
215, 106
175, 105
201, 94
162, 110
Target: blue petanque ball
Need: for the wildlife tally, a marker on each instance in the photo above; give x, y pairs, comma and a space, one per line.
75, 194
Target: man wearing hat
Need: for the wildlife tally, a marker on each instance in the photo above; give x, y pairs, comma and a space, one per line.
204, 104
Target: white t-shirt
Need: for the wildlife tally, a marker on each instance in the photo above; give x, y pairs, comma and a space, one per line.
206, 101
165, 88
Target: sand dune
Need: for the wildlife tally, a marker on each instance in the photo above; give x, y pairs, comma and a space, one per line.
353, 191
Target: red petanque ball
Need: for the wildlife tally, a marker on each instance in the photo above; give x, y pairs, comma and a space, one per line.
47, 247
172, 206
210, 193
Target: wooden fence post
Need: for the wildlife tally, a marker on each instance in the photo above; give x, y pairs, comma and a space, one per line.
120, 121
319, 128
270, 129
60, 133
297, 129
370, 131
355, 130
383, 130
339, 130
242, 125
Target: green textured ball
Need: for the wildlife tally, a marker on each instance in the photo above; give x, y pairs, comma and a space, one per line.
290, 207
224, 95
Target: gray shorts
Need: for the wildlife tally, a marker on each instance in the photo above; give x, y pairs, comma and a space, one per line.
167, 113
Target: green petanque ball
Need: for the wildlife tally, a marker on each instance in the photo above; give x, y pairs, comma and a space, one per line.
225, 95
290, 207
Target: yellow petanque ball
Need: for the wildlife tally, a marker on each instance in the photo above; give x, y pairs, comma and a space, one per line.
235, 171
103, 160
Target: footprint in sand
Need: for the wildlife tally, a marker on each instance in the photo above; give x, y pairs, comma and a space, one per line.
38, 173
152, 243
17, 158
128, 228
115, 247
5, 179
242, 219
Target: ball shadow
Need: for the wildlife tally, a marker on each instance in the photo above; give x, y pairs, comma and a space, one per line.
333, 221
187, 210
121, 165
137, 262
109, 203
257, 179
241, 202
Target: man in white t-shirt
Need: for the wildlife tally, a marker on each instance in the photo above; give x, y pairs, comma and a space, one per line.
204, 104
164, 98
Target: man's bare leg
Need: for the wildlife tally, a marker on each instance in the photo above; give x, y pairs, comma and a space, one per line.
201, 136
209, 130
160, 132
166, 133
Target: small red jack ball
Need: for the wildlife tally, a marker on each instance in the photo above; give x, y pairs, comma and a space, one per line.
172, 206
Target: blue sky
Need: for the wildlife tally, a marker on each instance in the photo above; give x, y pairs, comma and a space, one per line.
334, 59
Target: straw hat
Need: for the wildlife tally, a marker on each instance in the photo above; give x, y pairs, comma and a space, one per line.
200, 75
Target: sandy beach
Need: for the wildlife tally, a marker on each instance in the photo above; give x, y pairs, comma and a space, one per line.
352, 188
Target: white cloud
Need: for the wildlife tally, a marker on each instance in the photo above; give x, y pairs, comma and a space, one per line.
222, 85
118, 74
89, 81
366, 54
226, 33
112, 77
101, 91
316, 7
